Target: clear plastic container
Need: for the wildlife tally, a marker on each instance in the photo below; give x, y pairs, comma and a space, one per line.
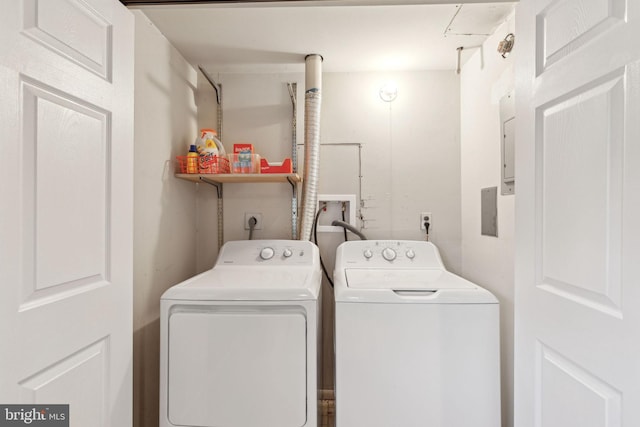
244, 163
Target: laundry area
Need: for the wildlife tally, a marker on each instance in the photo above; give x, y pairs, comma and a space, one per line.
347, 213
409, 138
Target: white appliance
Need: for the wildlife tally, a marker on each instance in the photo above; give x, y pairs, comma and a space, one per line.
239, 342
416, 346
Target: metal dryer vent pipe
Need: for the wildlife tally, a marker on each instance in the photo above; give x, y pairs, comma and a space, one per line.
312, 102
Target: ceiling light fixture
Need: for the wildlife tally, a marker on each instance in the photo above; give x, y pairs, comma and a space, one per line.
388, 92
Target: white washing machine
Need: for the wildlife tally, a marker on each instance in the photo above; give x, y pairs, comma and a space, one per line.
239, 342
415, 345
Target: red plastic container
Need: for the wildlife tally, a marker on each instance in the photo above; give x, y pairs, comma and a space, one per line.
285, 167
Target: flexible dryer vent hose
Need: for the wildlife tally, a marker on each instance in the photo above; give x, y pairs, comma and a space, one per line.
349, 227
312, 103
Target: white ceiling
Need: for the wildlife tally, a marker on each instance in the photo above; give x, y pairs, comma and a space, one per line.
268, 37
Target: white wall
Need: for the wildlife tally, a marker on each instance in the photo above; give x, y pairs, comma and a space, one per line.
408, 153
164, 207
409, 149
488, 261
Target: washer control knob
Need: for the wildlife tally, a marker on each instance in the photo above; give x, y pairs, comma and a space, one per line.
389, 254
287, 253
367, 253
410, 254
267, 253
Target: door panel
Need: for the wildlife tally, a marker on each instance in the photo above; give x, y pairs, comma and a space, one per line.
565, 26
65, 139
88, 41
66, 117
577, 271
579, 179
572, 396
86, 370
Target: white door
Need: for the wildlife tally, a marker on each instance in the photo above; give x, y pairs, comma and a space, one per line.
578, 214
66, 144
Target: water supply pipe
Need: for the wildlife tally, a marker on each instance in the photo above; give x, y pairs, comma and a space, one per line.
312, 103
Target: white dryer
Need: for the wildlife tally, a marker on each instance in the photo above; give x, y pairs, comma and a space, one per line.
415, 345
239, 342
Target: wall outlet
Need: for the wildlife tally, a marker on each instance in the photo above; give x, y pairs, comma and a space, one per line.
426, 217
257, 216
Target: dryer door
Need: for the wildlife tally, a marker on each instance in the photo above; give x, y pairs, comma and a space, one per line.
237, 366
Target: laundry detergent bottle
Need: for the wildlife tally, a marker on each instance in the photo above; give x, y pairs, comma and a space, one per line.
192, 159
209, 144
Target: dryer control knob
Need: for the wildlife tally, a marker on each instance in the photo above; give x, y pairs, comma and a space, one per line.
410, 254
367, 253
389, 254
287, 253
267, 253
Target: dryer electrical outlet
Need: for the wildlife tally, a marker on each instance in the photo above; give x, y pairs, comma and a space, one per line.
257, 216
332, 205
426, 217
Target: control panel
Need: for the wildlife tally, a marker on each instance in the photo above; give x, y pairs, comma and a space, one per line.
268, 252
387, 253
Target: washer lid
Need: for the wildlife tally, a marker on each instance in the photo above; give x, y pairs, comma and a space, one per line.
249, 283
401, 279
414, 286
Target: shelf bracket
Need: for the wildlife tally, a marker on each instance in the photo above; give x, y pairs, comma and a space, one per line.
291, 183
218, 186
294, 209
293, 94
218, 88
